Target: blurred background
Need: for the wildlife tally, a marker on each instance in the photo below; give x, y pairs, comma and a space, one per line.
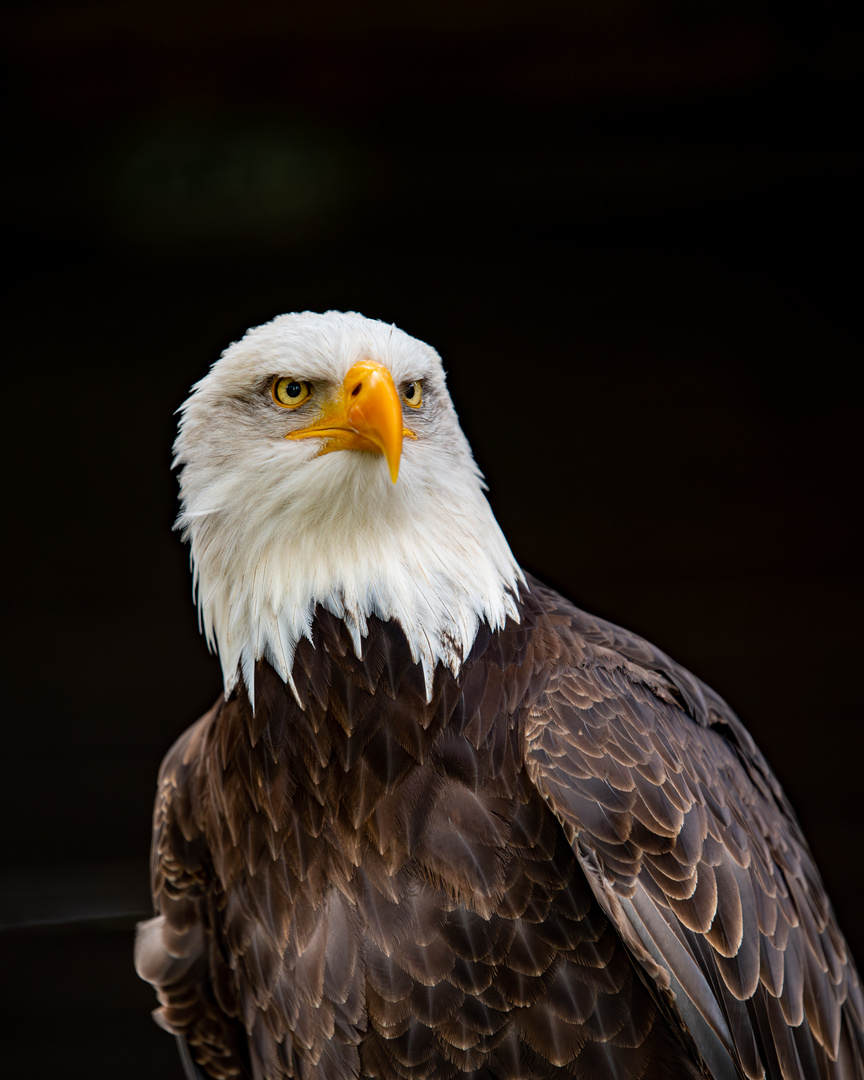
632, 231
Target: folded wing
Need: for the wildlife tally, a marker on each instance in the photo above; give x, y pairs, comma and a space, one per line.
694, 853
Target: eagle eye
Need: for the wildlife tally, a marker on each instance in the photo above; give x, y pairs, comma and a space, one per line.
289, 393
412, 394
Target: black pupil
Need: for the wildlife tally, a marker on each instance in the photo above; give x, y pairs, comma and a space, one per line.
409, 393
293, 389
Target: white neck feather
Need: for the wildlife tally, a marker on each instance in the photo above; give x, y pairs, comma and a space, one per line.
432, 560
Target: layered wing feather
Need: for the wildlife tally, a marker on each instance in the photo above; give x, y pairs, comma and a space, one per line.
692, 850
174, 950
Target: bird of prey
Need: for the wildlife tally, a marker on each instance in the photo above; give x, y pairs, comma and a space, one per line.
443, 824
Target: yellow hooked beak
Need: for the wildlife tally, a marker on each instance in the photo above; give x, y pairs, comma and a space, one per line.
366, 415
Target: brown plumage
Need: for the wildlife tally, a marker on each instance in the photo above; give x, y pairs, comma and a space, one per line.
566, 858
373, 885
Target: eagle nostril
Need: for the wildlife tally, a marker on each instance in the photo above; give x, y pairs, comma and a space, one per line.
357, 389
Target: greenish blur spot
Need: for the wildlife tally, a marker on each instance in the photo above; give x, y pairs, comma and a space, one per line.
248, 183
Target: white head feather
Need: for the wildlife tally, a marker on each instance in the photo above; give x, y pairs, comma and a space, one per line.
276, 529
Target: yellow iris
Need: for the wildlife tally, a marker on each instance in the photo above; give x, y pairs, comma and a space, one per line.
289, 393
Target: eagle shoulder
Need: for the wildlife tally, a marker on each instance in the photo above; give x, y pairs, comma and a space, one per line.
691, 848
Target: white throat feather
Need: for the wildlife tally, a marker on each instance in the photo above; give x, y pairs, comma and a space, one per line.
276, 529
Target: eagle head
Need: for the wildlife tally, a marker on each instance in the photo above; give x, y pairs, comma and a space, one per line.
322, 463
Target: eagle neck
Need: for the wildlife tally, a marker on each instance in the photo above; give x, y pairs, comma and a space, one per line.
438, 578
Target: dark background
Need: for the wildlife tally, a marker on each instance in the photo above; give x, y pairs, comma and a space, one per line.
631, 230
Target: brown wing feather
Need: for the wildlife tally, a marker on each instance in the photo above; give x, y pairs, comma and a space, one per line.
691, 848
173, 950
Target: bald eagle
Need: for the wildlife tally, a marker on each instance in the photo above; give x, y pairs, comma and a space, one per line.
443, 824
